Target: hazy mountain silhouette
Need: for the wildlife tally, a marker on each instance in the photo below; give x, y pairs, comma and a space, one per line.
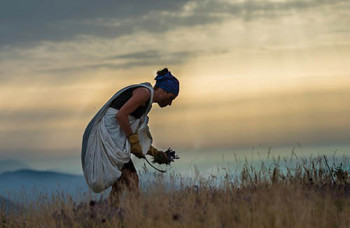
12, 165
31, 183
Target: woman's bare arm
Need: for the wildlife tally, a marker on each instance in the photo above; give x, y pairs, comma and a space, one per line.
139, 97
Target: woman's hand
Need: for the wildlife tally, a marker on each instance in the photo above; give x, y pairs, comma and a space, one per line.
159, 157
135, 145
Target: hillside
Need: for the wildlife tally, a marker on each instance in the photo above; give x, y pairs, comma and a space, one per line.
12, 165
32, 182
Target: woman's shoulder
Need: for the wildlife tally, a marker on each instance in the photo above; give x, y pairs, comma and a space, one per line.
142, 91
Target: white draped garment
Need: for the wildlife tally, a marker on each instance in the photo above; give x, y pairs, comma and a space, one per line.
105, 148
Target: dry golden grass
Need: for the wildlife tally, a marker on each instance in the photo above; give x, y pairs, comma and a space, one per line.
305, 196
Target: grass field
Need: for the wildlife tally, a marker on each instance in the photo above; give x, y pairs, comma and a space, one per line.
310, 194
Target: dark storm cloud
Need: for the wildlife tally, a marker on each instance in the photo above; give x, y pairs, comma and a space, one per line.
35, 20
23, 22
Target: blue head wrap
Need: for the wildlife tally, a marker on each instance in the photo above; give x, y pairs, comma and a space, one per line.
168, 82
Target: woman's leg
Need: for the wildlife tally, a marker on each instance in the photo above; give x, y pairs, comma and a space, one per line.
129, 180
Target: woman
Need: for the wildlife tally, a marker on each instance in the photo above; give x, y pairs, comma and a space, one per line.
120, 128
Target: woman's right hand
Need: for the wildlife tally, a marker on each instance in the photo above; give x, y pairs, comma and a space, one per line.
135, 145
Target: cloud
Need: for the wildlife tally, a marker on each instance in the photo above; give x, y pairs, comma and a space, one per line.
37, 20
153, 58
28, 22
276, 118
307, 116
68, 38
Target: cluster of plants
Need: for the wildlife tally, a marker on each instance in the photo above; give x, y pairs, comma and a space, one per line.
312, 193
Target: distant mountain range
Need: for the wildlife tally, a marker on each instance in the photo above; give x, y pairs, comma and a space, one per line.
29, 184
11, 165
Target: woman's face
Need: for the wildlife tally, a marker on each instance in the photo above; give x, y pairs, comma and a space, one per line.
166, 99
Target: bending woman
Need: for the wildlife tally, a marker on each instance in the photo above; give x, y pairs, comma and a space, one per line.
120, 128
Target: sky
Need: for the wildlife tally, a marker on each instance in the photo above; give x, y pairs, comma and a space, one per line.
257, 72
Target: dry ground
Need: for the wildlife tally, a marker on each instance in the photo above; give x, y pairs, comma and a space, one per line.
306, 196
